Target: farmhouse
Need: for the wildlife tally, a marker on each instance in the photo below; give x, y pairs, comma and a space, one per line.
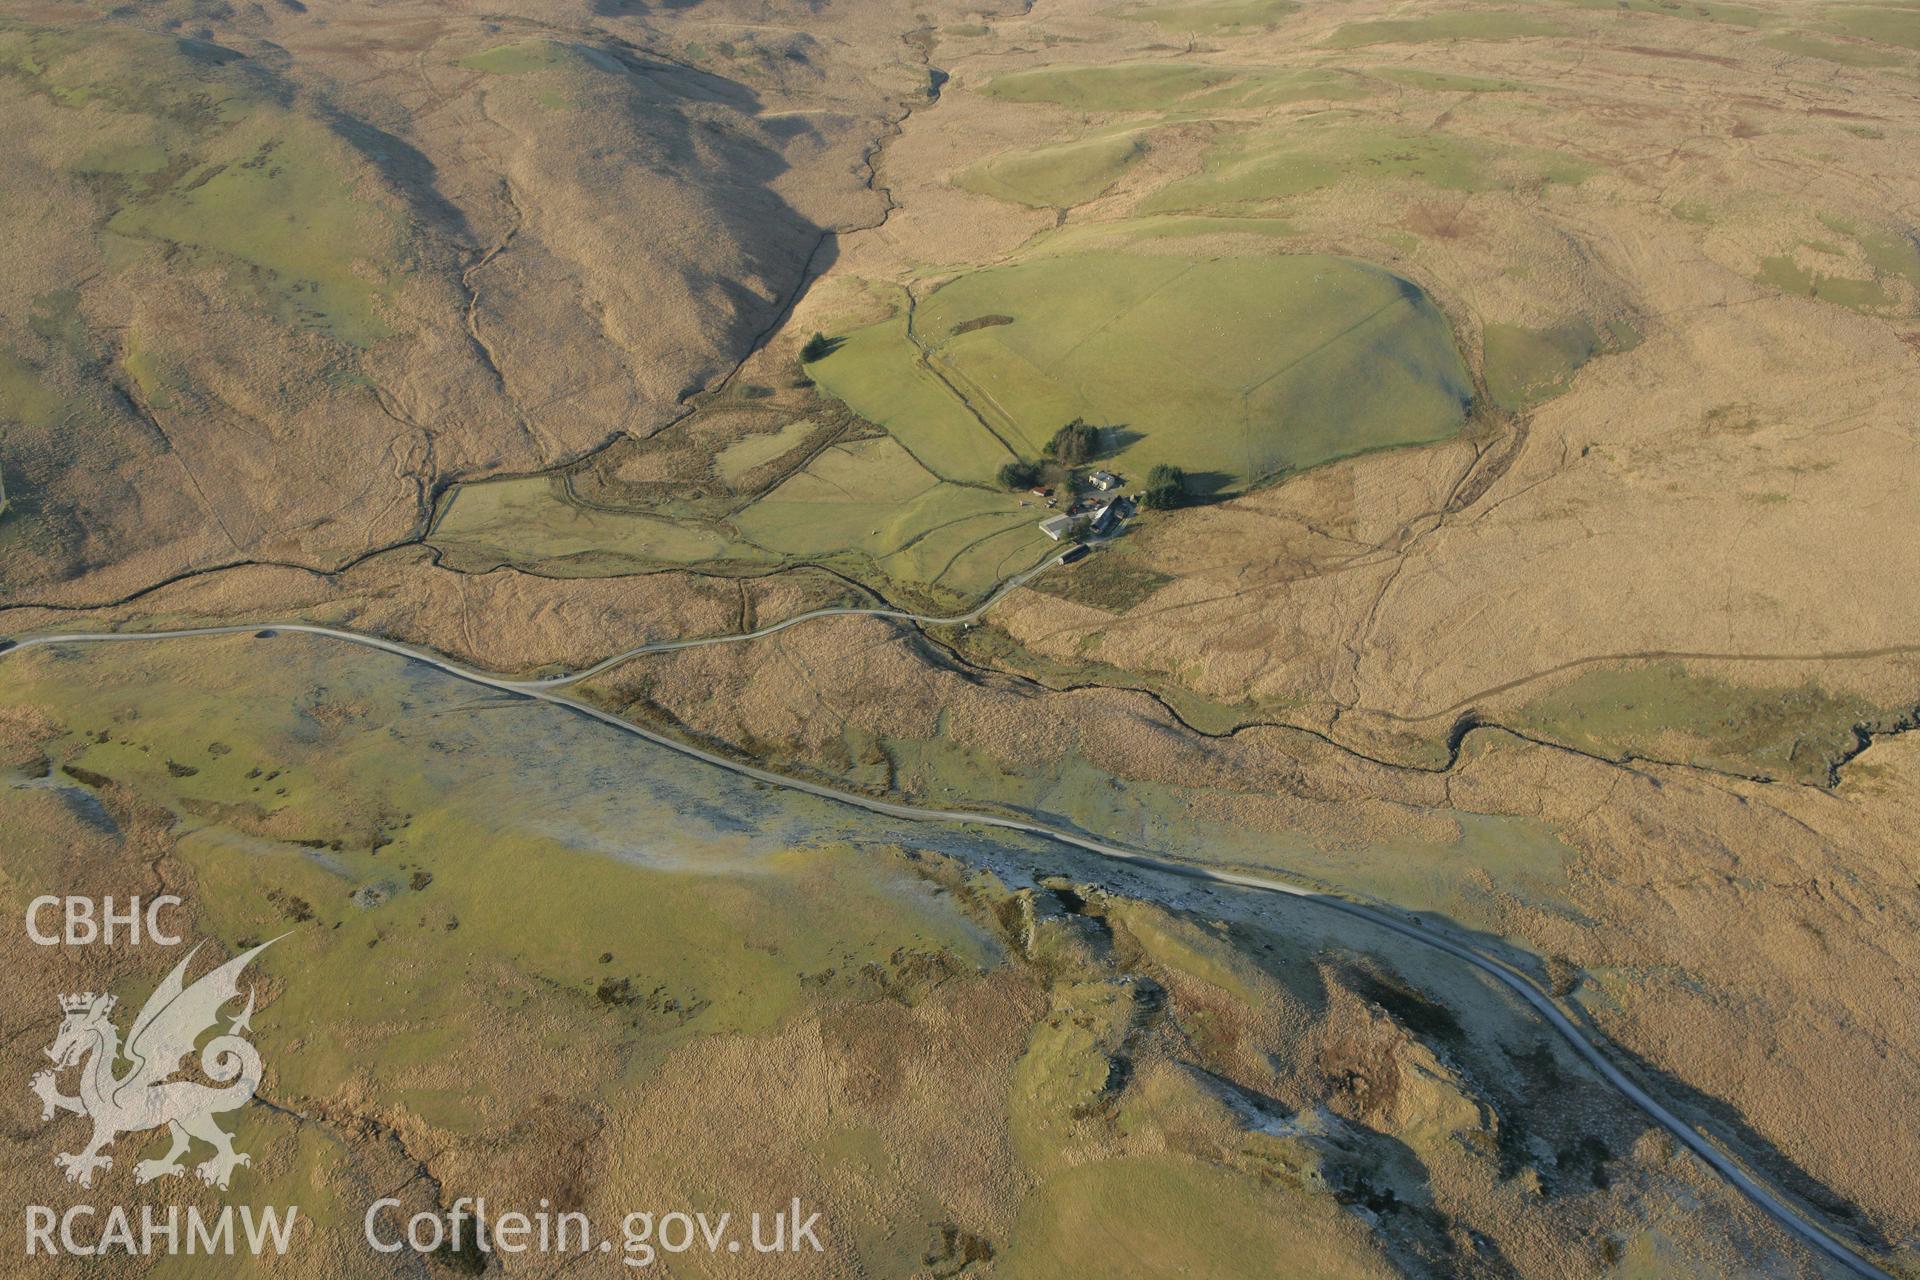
1107, 517
1055, 527
1104, 481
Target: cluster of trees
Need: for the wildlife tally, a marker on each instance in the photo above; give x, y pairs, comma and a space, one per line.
1020, 474
1074, 443
1166, 486
1070, 446
818, 347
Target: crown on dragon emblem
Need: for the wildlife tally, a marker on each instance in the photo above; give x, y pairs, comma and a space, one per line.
146, 1095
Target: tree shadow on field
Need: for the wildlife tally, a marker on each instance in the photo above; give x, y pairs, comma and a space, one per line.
1206, 486
1116, 439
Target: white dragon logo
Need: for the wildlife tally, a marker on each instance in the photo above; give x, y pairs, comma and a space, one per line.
146, 1096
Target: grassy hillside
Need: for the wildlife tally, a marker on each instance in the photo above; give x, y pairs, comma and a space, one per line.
272, 287
1161, 86
1235, 369
729, 996
1058, 176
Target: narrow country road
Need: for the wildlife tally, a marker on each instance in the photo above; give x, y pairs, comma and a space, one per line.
1583, 1043
845, 611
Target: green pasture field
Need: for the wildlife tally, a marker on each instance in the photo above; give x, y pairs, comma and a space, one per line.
552, 70
1161, 86
1059, 176
1738, 15
870, 499
1850, 55
1234, 369
1217, 17
1445, 81
879, 373
517, 59
1472, 25
1123, 86
1894, 23
1160, 228
1253, 167
866, 508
